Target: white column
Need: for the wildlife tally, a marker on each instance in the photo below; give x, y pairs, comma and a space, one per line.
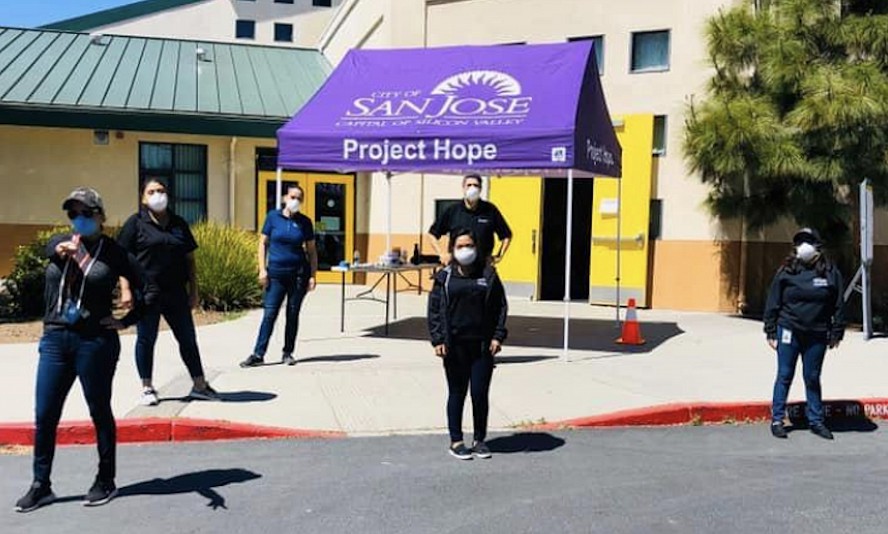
567, 259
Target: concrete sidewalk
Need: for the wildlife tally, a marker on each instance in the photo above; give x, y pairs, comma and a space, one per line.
361, 382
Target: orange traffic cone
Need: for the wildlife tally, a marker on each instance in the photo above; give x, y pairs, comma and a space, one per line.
631, 328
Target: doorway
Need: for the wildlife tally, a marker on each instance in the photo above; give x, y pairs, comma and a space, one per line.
554, 234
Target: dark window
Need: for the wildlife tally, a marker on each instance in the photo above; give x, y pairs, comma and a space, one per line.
322, 3
184, 169
656, 222
283, 32
659, 135
266, 159
245, 29
650, 51
283, 1
598, 41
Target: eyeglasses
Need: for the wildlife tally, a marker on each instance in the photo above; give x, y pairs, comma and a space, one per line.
73, 214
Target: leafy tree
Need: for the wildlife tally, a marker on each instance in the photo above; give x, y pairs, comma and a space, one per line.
796, 113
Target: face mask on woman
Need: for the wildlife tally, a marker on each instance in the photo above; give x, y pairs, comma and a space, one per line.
85, 226
293, 205
465, 255
807, 252
157, 202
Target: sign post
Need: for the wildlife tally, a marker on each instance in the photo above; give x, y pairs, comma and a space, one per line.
866, 259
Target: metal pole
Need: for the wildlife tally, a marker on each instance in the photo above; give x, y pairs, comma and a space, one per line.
278, 187
388, 233
619, 243
567, 258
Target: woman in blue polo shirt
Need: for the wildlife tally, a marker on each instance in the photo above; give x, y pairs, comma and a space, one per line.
288, 261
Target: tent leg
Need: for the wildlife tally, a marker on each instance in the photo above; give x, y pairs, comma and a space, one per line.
619, 246
278, 187
567, 259
388, 230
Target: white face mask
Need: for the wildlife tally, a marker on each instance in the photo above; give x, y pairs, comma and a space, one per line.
465, 255
807, 252
293, 205
473, 193
157, 202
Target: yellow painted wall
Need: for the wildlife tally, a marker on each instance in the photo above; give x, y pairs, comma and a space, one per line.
636, 138
520, 201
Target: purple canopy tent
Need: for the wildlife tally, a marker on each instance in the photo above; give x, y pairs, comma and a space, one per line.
498, 110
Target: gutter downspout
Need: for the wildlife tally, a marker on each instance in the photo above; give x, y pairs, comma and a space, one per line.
232, 180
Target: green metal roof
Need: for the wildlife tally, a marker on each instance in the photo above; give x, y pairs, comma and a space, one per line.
55, 78
117, 14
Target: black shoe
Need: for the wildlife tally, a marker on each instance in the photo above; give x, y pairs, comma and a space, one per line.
460, 451
252, 361
822, 431
205, 394
480, 450
38, 495
100, 493
288, 359
778, 430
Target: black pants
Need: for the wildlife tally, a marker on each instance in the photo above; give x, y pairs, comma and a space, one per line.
65, 356
173, 305
468, 363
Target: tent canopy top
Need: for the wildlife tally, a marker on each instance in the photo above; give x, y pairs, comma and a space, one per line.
508, 110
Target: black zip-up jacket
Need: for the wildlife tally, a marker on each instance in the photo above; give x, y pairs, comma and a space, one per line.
457, 314
806, 299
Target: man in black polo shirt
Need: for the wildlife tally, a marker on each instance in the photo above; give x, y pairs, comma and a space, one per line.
477, 215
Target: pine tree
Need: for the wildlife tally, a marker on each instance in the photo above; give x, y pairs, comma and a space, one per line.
796, 113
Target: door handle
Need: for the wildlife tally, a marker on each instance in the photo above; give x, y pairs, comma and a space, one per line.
533, 241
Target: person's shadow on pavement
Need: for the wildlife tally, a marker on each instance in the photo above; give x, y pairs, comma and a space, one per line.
200, 482
525, 442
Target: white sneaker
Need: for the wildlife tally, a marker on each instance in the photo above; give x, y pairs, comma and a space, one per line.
149, 397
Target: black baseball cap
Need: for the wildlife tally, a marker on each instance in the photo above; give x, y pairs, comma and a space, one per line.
806, 235
87, 196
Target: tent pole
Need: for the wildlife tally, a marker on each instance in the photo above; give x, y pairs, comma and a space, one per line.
619, 243
567, 258
278, 187
388, 232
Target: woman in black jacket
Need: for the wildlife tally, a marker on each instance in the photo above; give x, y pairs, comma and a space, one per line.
803, 316
467, 324
80, 340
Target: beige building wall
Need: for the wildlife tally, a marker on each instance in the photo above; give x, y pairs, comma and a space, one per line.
214, 20
39, 166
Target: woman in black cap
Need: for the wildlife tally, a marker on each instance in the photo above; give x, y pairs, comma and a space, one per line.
467, 324
80, 340
803, 317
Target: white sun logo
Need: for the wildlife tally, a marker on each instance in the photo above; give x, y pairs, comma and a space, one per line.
501, 83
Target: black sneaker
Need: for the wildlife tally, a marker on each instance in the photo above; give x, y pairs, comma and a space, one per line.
778, 430
460, 451
252, 361
100, 493
822, 431
288, 359
480, 450
38, 495
206, 394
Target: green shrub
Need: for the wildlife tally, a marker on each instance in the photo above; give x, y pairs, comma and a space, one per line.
25, 284
226, 267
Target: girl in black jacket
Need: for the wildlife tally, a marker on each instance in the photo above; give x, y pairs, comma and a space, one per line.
803, 316
467, 324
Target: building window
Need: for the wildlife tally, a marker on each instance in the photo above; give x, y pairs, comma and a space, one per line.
283, 32
650, 51
322, 3
598, 41
245, 29
659, 135
184, 169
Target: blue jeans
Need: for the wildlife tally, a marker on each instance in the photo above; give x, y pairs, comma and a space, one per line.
468, 365
64, 356
812, 348
293, 287
174, 306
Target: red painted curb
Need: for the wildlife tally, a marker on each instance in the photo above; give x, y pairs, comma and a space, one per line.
712, 412
152, 430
